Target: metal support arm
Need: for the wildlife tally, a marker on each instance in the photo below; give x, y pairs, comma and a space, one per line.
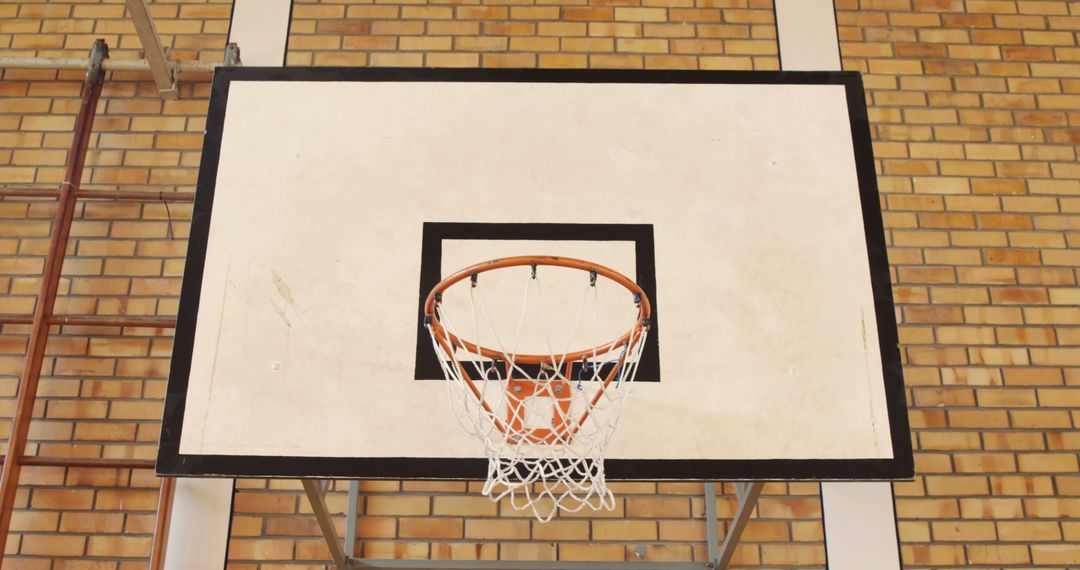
522, 565
747, 494
719, 556
160, 66
316, 495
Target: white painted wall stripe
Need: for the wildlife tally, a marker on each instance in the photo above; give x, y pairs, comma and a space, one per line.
202, 508
860, 526
199, 524
261, 29
806, 32
860, 517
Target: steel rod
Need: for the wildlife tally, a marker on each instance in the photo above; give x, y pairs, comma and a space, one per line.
748, 494
160, 66
16, 320
179, 67
523, 565
161, 523
712, 527
132, 195
88, 462
30, 192
50, 283
314, 490
350, 518
93, 321
136, 195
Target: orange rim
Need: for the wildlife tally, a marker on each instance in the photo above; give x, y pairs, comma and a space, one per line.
448, 341
641, 324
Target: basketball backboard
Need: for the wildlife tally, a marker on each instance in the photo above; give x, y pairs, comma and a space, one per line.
330, 201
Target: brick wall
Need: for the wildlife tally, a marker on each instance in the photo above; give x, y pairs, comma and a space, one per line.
976, 111
975, 106
635, 34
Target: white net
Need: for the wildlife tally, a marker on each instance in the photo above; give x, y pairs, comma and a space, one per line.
545, 419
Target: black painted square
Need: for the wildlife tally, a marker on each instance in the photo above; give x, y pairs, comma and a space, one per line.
427, 364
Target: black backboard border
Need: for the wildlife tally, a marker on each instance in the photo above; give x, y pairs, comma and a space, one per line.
171, 462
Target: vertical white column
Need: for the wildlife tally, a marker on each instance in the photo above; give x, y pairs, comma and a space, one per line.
859, 517
806, 32
261, 29
860, 526
199, 524
202, 508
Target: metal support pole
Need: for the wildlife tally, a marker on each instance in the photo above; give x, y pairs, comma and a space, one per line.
161, 523
160, 66
711, 527
93, 321
50, 282
748, 494
317, 497
180, 68
232, 55
134, 195
522, 565
87, 462
350, 518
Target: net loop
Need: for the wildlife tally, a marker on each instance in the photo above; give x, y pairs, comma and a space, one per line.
545, 420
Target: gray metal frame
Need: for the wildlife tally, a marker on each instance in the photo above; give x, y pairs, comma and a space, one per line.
344, 553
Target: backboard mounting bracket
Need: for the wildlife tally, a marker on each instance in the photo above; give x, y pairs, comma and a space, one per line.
342, 551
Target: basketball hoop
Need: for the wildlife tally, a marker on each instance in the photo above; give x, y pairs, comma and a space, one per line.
545, 418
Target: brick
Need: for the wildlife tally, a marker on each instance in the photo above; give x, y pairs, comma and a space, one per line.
591, 552
588, 14
431, 528
53, 545
992, 554
1054, 554
560, 530
1010, 531
496, 529
469, 506
624, 530
640, 14
119, 546
963, 531
397, 505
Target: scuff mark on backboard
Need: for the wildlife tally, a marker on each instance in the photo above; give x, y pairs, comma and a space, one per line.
282, 288
869, 385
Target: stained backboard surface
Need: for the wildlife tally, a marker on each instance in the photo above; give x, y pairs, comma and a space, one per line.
331, 200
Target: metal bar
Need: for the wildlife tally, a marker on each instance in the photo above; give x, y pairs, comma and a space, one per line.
30, 192
88, 462
92, 321
16, 320
232, 55
160, 66
748, 494
350, 518
50, 283
313, 488
161, 523
523, 565
136, 195
712, 529
33, 62
179, 67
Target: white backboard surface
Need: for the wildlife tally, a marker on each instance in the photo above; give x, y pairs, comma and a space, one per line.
322, 197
